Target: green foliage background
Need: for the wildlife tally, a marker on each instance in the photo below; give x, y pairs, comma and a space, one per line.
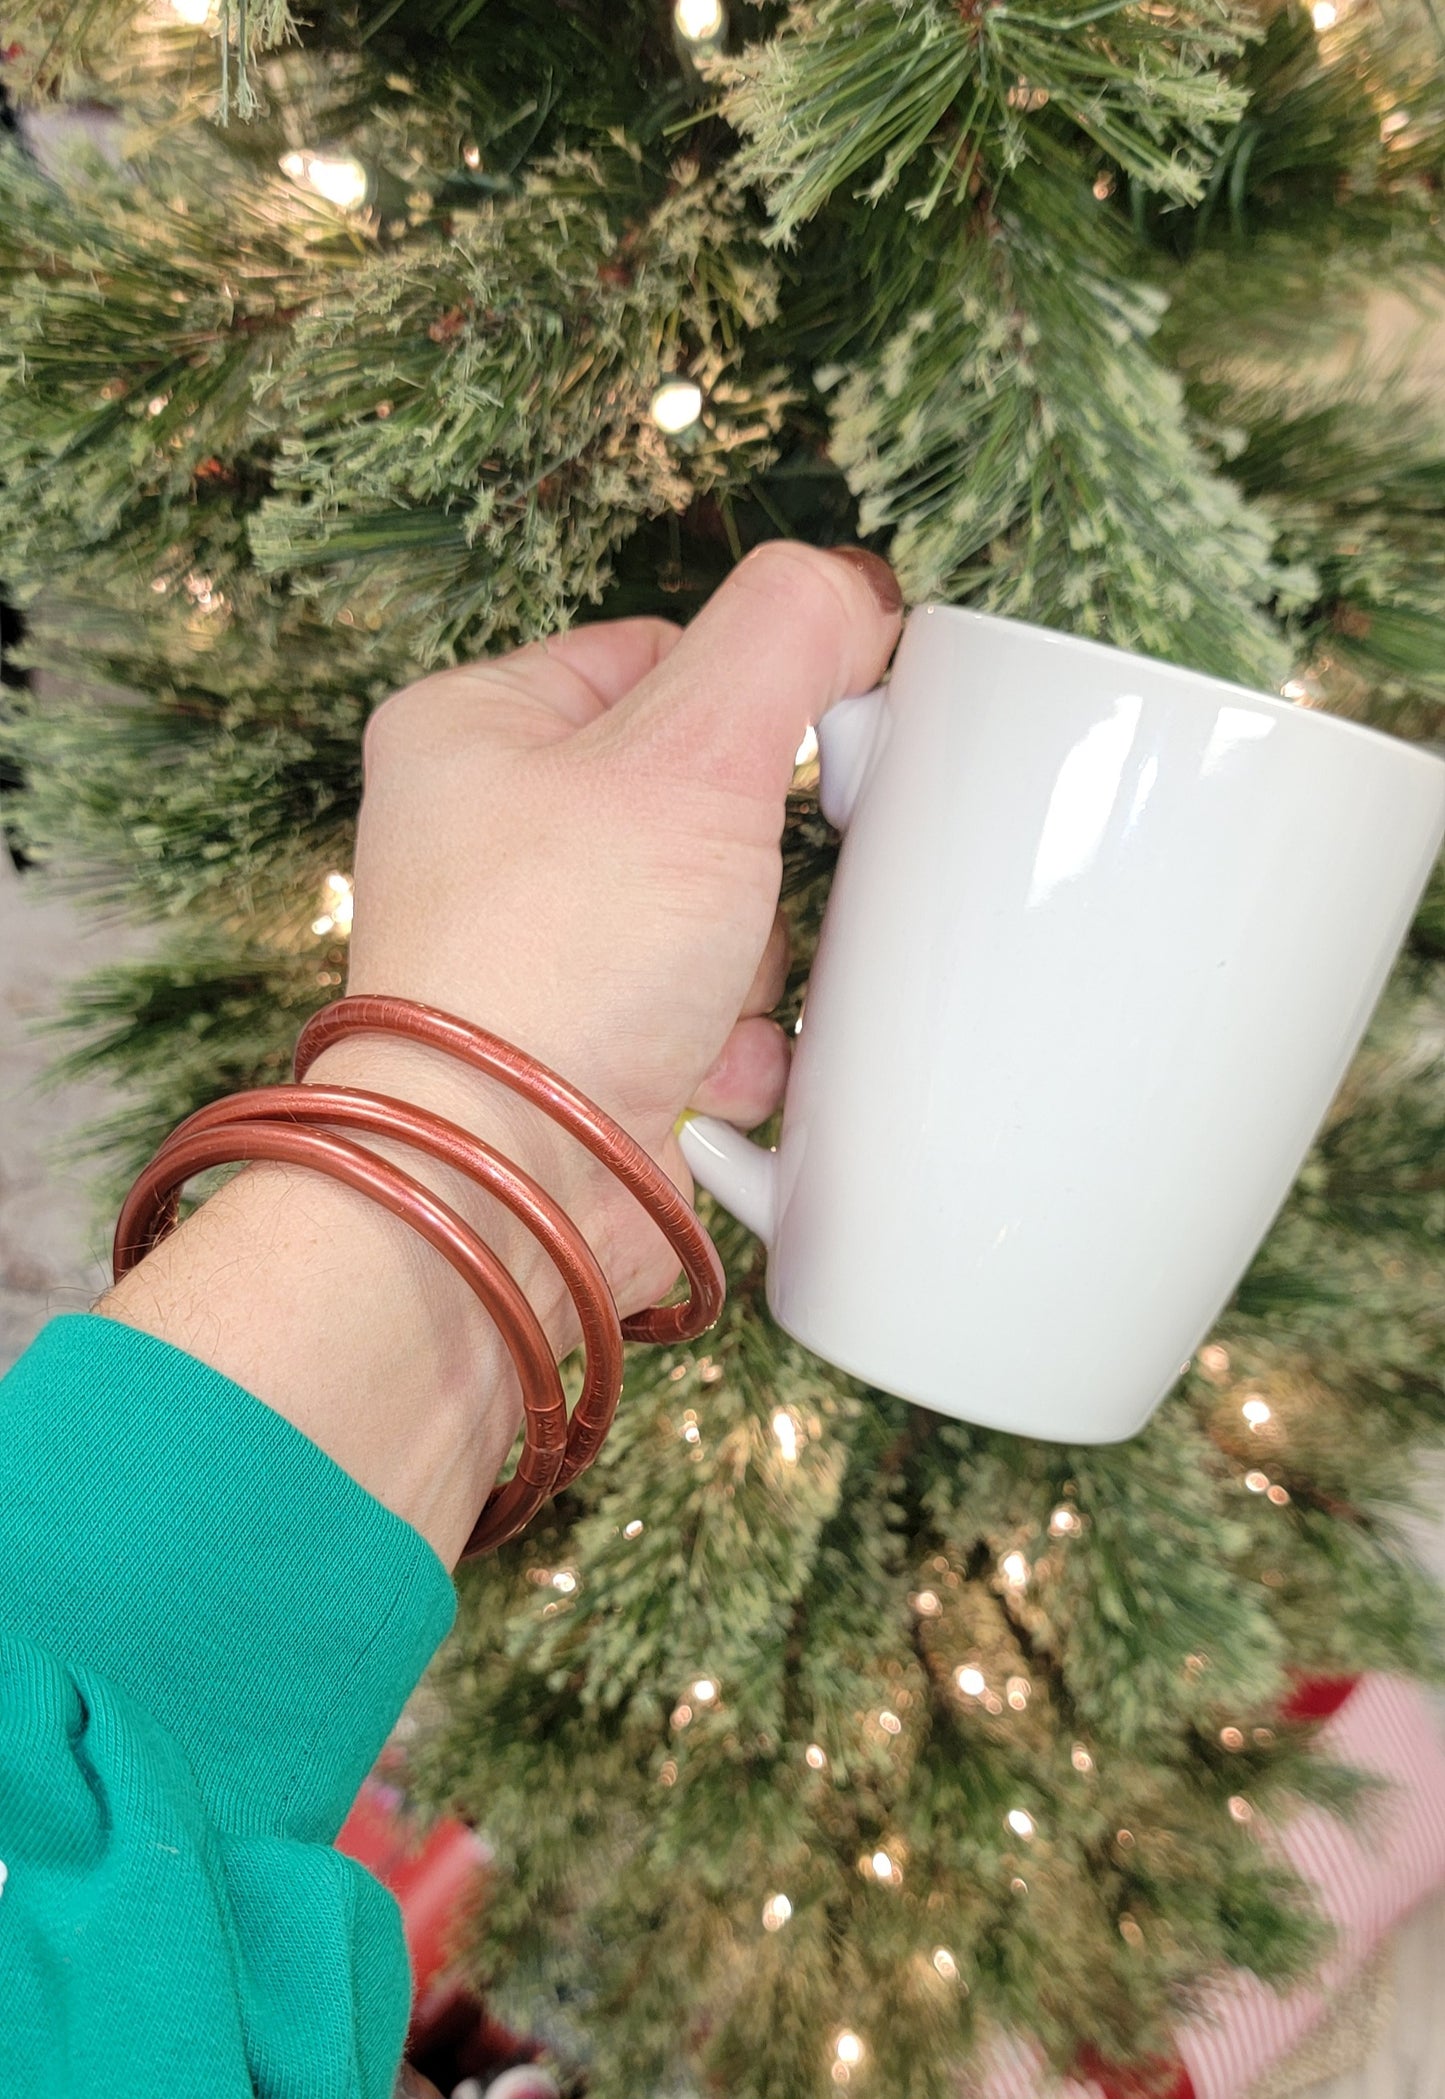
1061, 306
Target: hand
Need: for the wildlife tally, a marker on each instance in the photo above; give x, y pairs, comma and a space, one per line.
577, 846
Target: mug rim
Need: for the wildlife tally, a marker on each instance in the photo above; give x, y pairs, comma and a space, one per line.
1287, 710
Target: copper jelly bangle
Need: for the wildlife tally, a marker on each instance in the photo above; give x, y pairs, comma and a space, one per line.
149, 1210
380, 1115
604, 1138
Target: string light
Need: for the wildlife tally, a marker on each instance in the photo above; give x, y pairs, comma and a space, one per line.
1104, 186
1392, 125
681, 1714
884, 1868
472, 154
1256, 1481
945, 1963
1240, 1808
815, 1757
565, 1580
1124, 1838
970, 1680
342, 181
1018, 1688
1129, 1931
776, 1912
926, 1603
1231, 1738
785, 1429
337, 906
676, 405
1256, 1411
992, 1703
1277, 1494
196, 13
1214, 1362
1020, 1821
890, 1723
704, 1690
1018, 1886
700, 21
1080, 1758
1303, 691
158, 405
1015, 1570
1324, 14
668, 1774
1064, 1522
848, 2053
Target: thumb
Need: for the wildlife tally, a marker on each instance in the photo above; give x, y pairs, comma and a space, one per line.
793, 629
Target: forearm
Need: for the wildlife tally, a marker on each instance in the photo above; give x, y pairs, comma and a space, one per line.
344, 1320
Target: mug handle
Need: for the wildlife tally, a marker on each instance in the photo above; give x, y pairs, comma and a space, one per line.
743, 1175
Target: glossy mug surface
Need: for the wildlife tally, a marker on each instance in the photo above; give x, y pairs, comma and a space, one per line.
1103, 938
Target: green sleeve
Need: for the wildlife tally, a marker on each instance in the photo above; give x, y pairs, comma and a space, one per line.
206, 1630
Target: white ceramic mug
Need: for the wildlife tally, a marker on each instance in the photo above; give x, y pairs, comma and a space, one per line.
1103, 938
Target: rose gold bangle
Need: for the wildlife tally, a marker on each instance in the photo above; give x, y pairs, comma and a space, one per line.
380, 1115
151, 1200
604, 1138
263, 1123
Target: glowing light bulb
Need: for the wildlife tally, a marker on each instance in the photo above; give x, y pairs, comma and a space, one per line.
970, 1681
945, 1963
848, 2049
1214, 1362
676, 405
1231, 1738
1256, 1482
1017, 1689
1015, 1570
704, 1690
776, 1912
195, 12
700, 21
633, 1529
1080, 1758
565, 1580
1063, 1522
1324, 14
1240, 1808
785, 1428
815, 1757
1256, 1411
341, 180
890, 1723
926, 1603
883, 1867
472, 155
1020, 1821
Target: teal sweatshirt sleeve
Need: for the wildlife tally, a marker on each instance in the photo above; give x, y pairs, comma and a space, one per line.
206, 1630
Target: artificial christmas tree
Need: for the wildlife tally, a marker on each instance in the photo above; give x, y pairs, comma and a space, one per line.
821, 1741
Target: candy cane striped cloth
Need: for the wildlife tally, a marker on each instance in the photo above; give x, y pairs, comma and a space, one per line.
1364, 1882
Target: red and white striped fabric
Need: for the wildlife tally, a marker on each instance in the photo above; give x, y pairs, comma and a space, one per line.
1364, 1884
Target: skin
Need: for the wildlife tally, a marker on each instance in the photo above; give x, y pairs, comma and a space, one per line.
578, 847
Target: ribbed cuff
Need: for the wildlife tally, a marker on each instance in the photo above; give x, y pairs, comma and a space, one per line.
160, 1525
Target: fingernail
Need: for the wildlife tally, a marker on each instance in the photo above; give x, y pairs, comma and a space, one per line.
875, 573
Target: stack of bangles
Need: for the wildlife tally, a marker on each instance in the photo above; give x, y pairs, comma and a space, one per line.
267, 1123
